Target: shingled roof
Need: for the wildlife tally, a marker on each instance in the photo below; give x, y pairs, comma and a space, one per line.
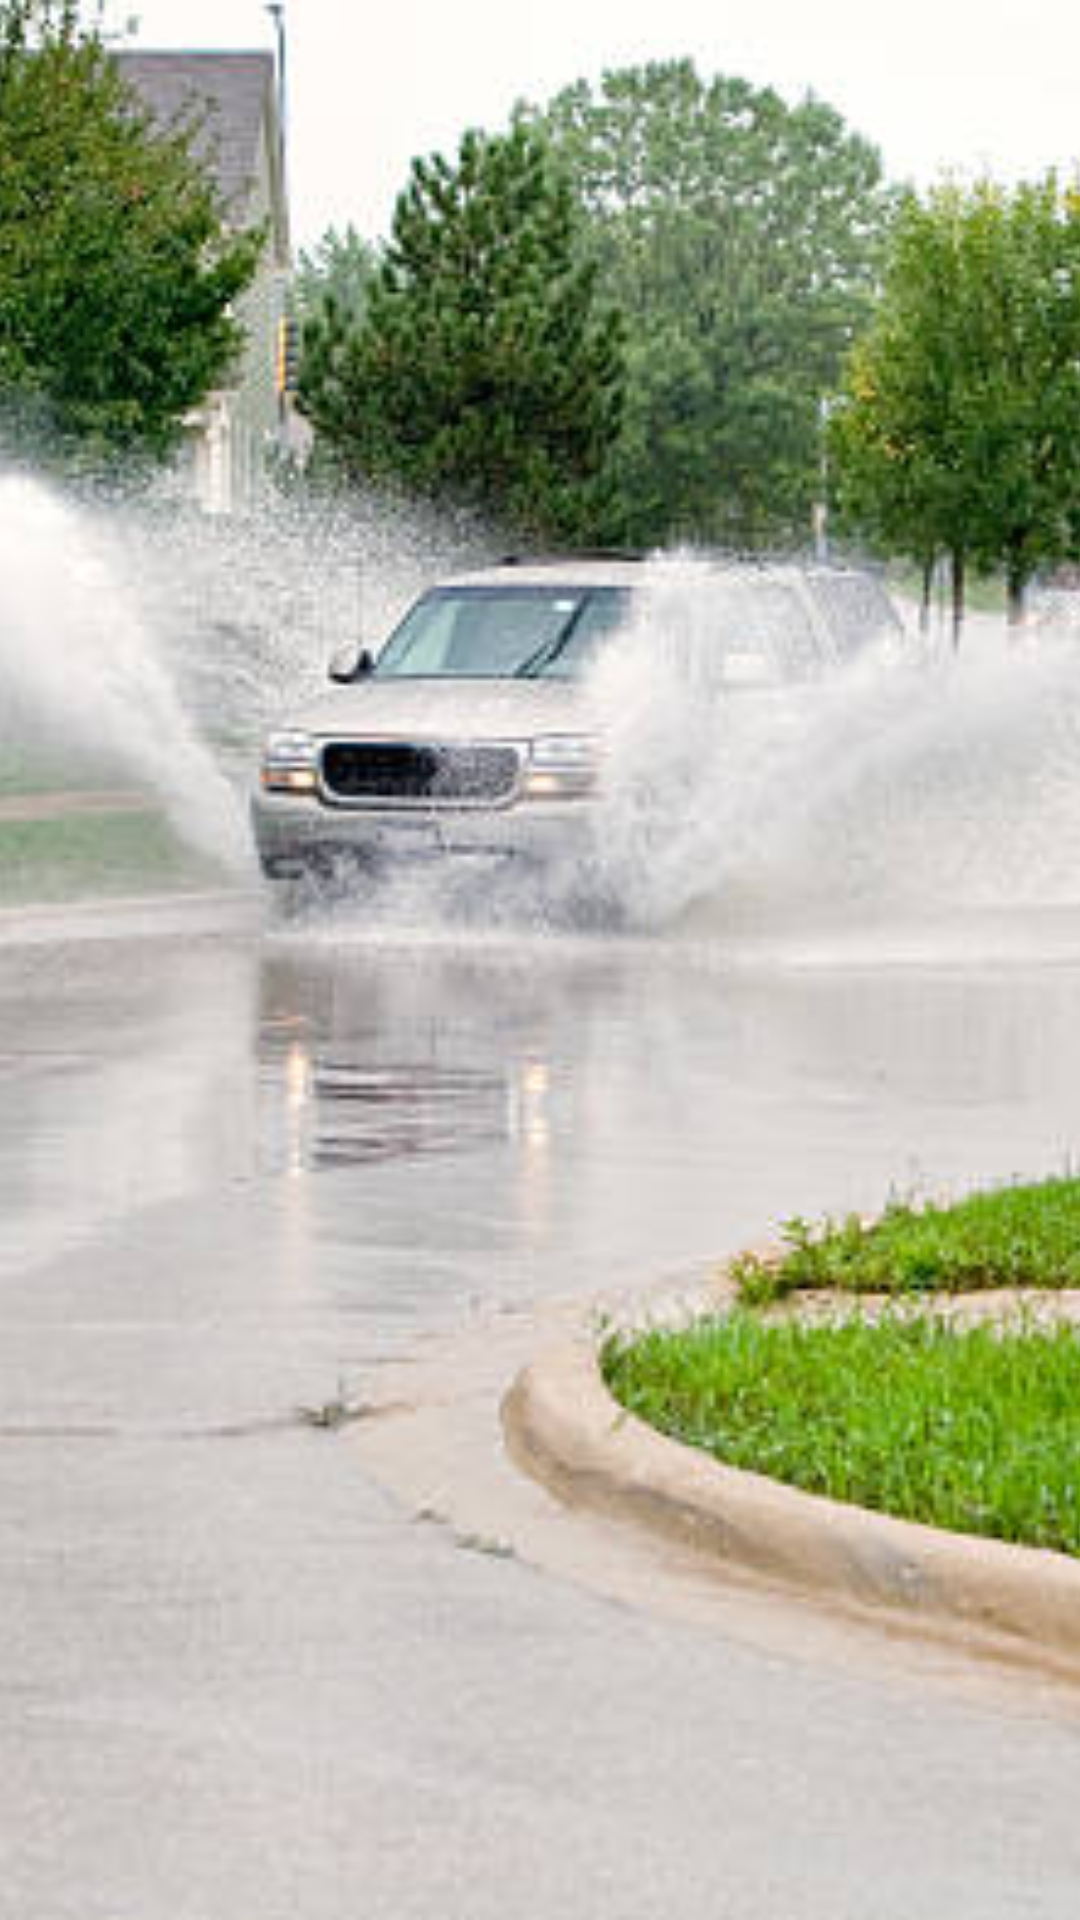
237, 94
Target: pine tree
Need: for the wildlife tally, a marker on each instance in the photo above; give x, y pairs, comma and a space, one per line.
482, 371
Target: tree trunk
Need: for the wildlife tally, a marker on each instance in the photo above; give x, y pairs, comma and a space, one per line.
1017, 587
958, 583
926, 602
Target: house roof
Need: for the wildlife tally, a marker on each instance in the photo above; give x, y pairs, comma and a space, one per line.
238, 96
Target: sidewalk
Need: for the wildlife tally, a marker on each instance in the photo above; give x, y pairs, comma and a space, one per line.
58, 806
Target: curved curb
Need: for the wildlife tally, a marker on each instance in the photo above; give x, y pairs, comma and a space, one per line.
563, 1428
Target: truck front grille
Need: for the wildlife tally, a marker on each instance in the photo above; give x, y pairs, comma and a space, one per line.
440, 775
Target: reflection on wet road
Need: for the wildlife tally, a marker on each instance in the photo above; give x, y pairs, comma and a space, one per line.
237, 1175
515, 1117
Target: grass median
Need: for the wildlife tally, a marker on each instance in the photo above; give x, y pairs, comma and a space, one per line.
975, 1428
91, 856
31, 772
1021, 1235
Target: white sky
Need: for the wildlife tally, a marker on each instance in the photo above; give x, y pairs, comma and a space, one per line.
939, 85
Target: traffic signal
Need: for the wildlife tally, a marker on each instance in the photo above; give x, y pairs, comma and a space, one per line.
288, 354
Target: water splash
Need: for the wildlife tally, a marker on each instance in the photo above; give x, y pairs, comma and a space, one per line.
906, 786
912, 778
148, 644
81, 677
247, 609
153, 647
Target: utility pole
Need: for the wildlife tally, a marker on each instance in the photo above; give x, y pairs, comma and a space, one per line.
276, 10
285, 343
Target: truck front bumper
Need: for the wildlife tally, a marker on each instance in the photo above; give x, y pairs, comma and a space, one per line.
294, 837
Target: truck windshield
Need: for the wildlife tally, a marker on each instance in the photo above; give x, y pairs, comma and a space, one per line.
502, 633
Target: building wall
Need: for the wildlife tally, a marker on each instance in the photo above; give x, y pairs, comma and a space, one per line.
239, 431
258, 418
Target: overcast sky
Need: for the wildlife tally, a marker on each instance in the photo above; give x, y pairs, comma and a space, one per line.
939, 85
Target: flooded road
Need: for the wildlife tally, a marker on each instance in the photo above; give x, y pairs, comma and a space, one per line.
242, 1173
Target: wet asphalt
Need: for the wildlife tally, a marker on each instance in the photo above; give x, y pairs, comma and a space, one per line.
241, 1172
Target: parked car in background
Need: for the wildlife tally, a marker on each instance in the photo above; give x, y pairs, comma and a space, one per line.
475, 733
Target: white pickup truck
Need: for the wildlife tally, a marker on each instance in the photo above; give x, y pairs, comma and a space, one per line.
475, 734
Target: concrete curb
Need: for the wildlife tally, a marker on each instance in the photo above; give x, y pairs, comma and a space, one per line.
562, 1427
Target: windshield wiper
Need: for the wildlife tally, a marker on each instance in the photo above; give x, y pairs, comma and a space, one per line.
551, 649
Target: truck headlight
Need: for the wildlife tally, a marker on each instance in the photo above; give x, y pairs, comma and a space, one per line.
561, 766
289, 763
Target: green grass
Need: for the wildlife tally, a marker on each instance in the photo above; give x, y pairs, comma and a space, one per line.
25, 771
1024, 1235
97, 855
975, 1430
982, 595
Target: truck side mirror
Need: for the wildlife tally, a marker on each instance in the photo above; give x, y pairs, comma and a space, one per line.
346, 666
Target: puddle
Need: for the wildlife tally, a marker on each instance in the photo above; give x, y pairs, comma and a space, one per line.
362, 1112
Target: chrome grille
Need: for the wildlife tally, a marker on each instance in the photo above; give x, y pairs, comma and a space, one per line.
438, 774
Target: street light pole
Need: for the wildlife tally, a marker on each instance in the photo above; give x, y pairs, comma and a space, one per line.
284, 323
276, 10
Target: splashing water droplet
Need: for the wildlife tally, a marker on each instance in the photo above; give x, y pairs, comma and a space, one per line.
80, 673
149, 645
907, 779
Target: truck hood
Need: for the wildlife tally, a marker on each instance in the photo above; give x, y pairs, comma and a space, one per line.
446, 710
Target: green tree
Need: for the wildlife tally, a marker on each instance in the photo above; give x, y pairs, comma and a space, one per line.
117, 267
338, 269
741, 237
958, 431
482, 372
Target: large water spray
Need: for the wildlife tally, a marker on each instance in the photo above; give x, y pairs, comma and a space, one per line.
911, 779
150, 647
82, 680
